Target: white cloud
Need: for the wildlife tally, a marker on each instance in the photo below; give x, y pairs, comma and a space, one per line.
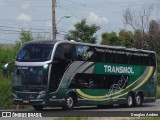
24, 18
25, 6
92, 17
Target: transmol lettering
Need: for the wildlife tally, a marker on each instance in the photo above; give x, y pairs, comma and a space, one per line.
118, 69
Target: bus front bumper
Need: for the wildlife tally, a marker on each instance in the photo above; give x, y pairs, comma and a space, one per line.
28, 101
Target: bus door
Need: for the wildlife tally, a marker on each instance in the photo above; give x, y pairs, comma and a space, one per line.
61, 61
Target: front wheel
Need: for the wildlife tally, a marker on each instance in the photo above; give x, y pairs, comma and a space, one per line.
38, 107
130, 100
138, 100
70, 102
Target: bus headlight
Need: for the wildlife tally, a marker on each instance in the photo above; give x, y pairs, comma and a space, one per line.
41, 94
14, 95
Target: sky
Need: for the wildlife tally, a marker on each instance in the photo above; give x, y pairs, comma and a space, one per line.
36, 15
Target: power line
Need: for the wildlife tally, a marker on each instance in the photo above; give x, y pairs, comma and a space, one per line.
23, 28
76, 3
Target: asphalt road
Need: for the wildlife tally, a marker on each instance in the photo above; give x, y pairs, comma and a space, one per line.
93, 111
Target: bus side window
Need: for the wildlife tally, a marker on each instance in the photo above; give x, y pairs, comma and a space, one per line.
99, 56
86, 81
134, 60
122, 58
144, 60
152, 59
79, 53
111, 58
84, 53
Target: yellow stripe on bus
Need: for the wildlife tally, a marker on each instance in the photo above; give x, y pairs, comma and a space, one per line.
145, 79
104, 96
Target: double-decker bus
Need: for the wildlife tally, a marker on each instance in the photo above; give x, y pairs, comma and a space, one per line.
68, 74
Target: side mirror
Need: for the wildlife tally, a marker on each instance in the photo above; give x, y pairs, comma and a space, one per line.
5, 67
45, 67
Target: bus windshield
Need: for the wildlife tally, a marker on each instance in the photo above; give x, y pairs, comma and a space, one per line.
34, 53
30, 77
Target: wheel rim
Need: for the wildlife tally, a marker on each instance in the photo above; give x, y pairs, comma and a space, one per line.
130, 101
138, 100
70, 102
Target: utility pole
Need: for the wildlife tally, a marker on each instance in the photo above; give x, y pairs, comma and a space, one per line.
54, 19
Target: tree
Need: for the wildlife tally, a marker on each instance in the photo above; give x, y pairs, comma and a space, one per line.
138, 20
83, 32
110, 39
40, 37
25, 36
126, 38
153, 36
140, 24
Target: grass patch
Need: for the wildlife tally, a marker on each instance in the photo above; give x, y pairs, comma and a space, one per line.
72, 118
5, 94
158, 92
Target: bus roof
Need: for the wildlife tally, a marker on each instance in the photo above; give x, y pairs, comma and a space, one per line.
80, 43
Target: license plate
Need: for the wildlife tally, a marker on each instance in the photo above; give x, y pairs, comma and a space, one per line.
25, 101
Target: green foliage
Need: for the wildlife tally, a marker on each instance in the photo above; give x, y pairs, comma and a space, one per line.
7, 55
39, 37
83, 32
25, 36
124, 38
158, 92
110, 39
5, 91
158, 79
158, 68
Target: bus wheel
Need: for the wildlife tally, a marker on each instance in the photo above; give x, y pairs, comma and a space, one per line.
130, 100
38, 107
138, 100
70, 102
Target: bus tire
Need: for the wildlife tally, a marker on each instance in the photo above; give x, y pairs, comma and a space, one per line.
138, 100
70, 102
38, 107
130, 100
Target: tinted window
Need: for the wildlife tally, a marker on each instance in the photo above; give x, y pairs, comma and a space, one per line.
99, 56
64, 52
134, 60
111, 57
152, 59
84, 53
63, 57
35, 53
144, 60
122, 59
89, 53
96, 81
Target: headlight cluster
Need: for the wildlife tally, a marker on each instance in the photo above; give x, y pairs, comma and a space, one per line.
14, 95
41, 94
